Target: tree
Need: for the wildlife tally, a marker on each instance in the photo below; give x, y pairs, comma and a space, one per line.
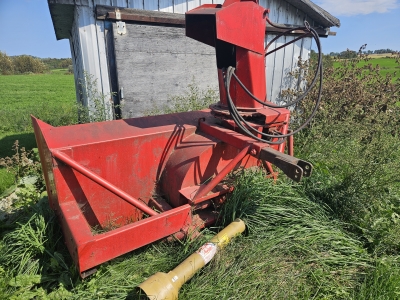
327, 60
28, 64
348, 54
6, 64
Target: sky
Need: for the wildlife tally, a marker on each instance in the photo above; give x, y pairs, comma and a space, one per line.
372, 22
26, 27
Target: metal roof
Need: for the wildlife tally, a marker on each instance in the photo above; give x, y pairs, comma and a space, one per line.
315, 12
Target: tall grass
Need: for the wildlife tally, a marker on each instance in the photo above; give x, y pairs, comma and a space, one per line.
382, 282
334, 236
293, 249
33, 258
354, 145
285, 225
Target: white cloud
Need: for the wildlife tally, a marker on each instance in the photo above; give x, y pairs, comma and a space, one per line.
357, 7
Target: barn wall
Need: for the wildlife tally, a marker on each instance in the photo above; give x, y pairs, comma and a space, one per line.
89, 46
280, 63
89, 59
76, 54
157, 62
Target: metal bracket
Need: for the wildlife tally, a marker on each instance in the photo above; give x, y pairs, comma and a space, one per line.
117, 14
121, 28
293, 167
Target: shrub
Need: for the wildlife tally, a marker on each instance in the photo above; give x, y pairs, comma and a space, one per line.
6, 64
354, 145
94, 106
28, 64
57, 63
70, 69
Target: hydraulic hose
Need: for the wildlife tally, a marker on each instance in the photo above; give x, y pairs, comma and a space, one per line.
243, 124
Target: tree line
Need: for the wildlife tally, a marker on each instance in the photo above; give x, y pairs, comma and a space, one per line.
25, 64
352, 54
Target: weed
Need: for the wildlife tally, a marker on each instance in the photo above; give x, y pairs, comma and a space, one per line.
30, 254
94, 106
193, 99
26, 195
356, 177
22, 163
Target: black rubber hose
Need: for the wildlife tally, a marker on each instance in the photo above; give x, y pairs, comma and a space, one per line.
313, 82
245, 126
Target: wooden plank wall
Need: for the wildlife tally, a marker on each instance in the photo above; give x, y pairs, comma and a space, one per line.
88, 40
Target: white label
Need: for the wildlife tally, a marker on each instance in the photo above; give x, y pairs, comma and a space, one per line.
207, 252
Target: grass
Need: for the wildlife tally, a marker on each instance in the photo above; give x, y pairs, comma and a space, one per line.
388, 66
293, 249
6, 181
380, 55
334, 236
50, 97
60, 72
285, 226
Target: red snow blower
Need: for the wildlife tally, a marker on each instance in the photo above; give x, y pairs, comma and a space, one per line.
119, 185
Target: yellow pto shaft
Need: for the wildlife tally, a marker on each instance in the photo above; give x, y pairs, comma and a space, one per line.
162, 286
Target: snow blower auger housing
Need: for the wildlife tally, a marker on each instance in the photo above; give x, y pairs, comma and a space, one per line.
119, 185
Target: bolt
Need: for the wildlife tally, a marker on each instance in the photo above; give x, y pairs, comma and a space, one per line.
253, 152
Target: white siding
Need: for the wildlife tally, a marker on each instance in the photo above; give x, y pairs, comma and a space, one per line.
88, 45
89, 54
166, 5
151, 5
280, 63
138, 4
76, 55
193, 4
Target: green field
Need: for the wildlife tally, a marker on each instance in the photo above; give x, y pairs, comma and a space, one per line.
51, 97
335, 235
47, 96
387, 66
